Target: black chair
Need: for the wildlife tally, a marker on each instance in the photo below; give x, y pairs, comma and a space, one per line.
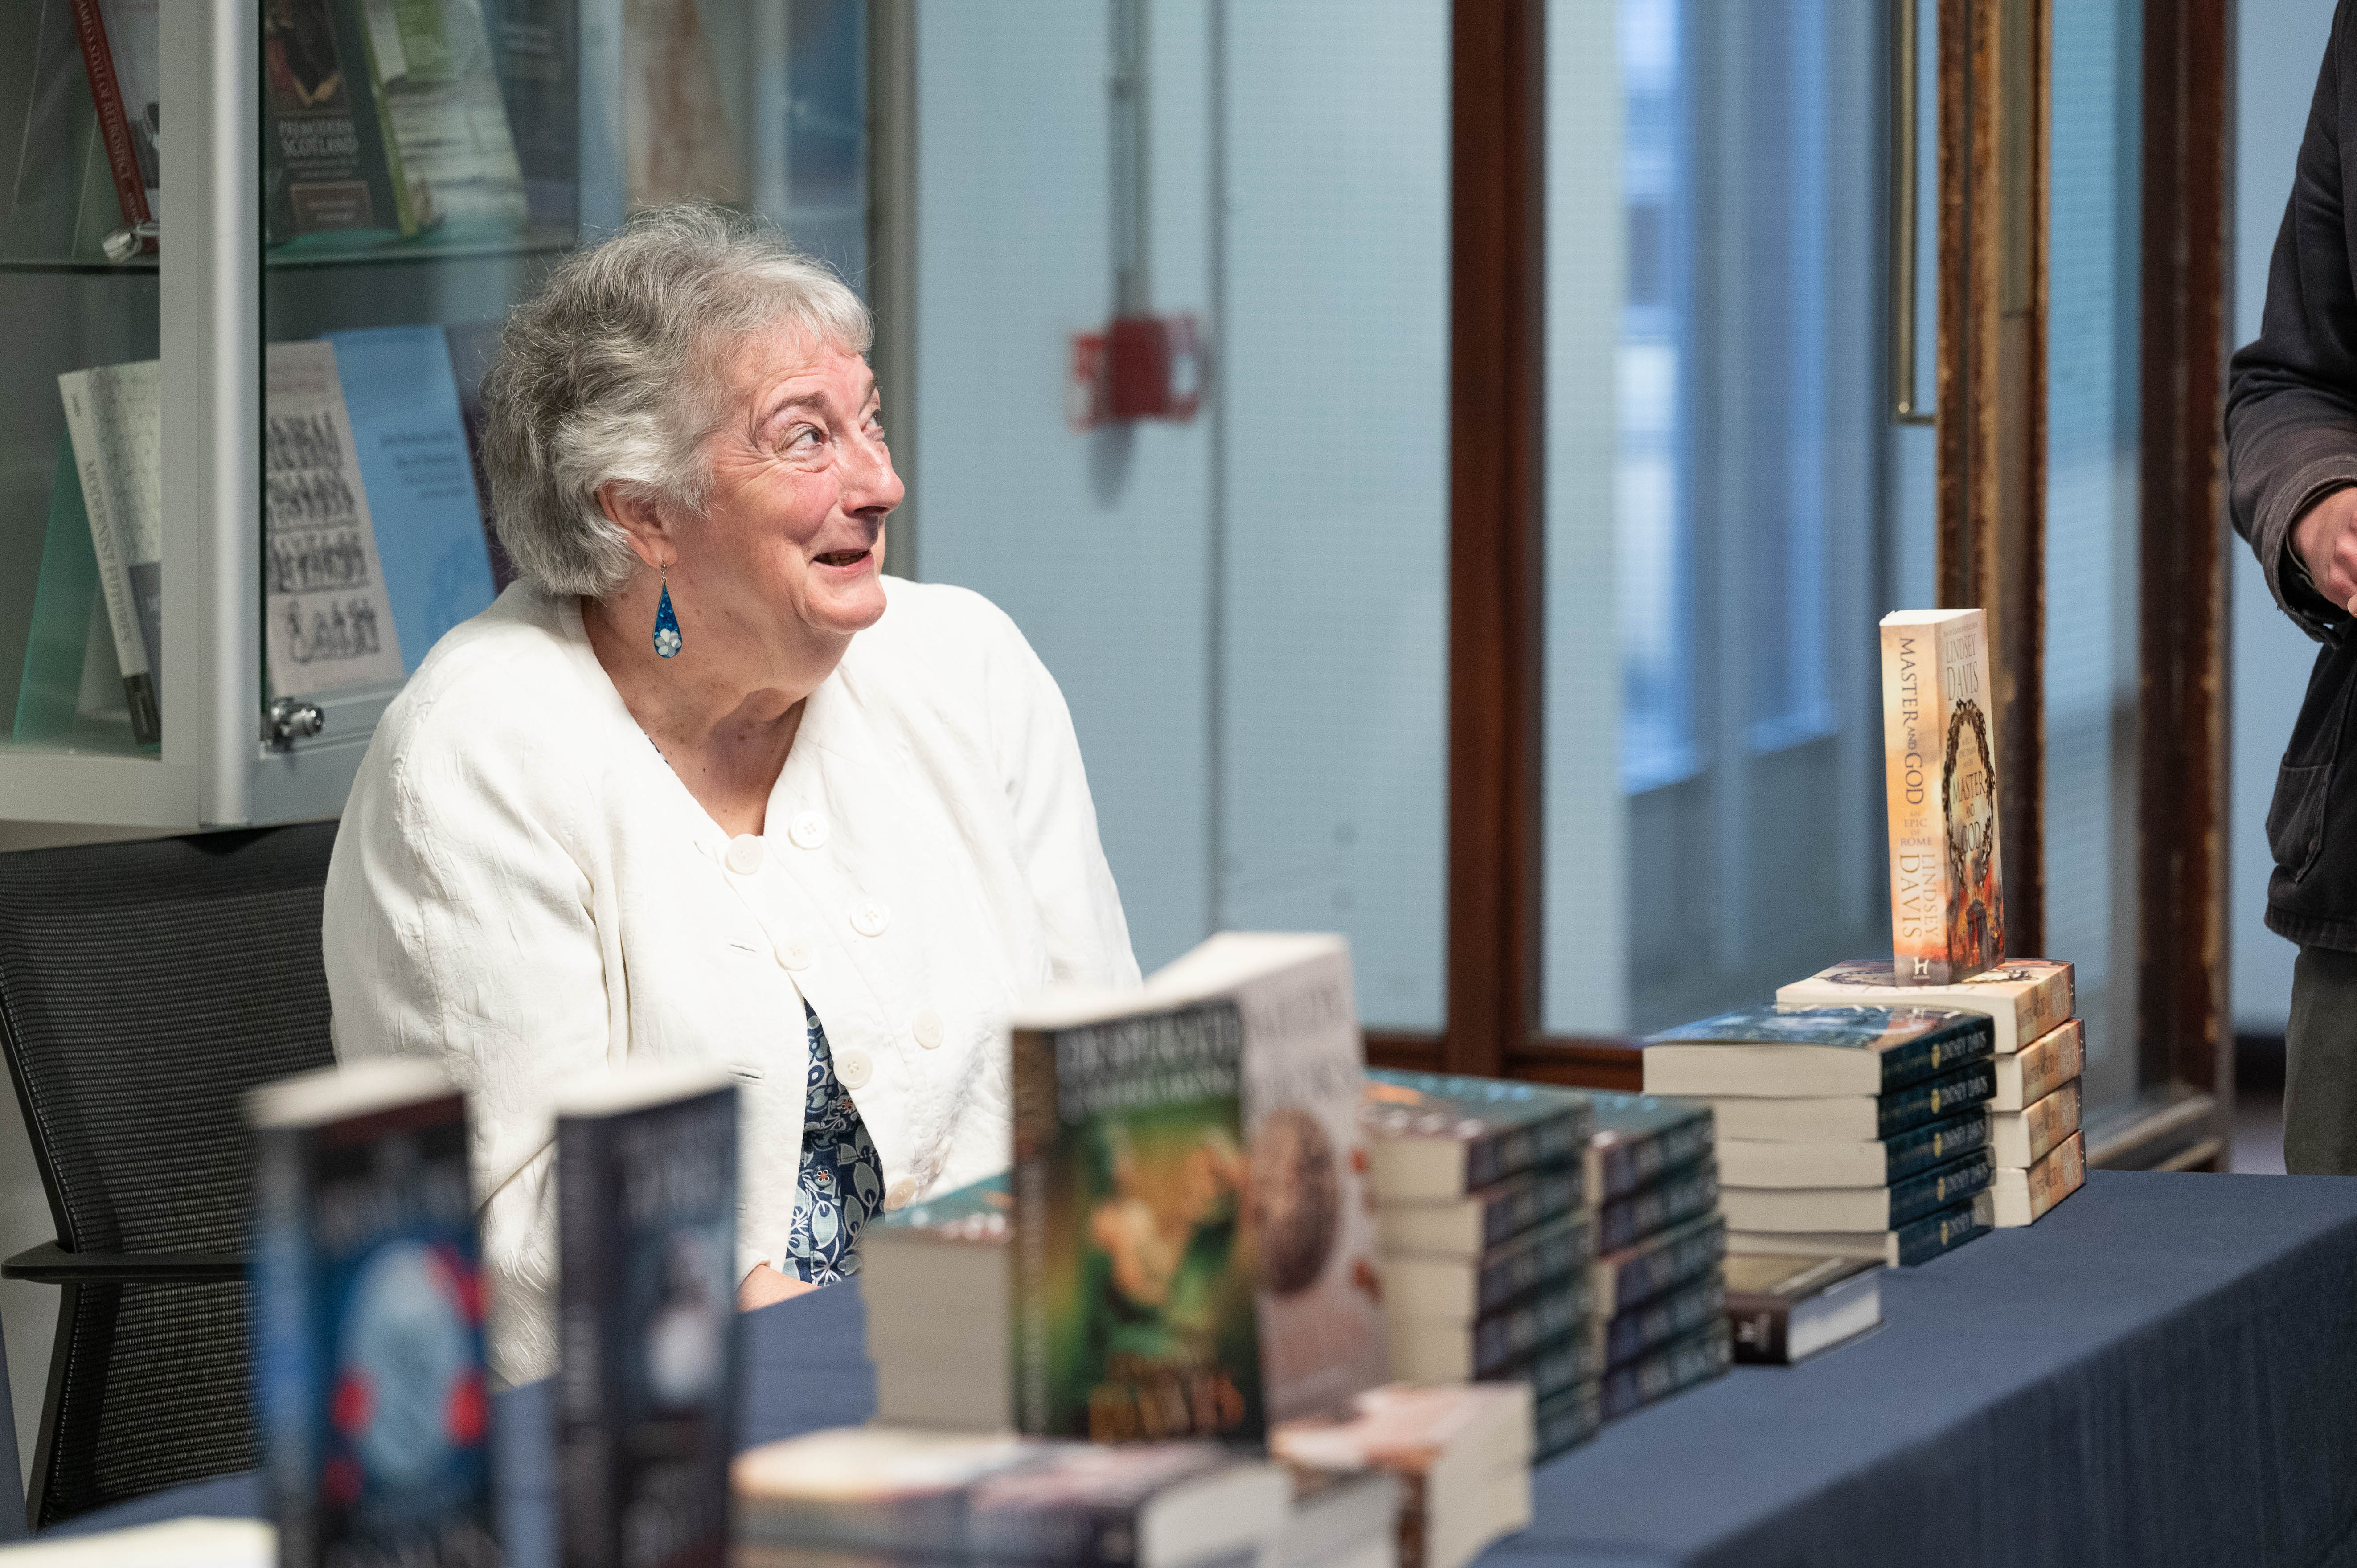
144, 988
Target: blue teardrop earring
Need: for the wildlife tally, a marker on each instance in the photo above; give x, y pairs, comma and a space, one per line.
667, 640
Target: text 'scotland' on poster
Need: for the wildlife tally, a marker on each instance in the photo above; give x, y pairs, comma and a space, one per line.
329, 624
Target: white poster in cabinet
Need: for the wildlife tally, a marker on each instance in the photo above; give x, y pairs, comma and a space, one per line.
329, 623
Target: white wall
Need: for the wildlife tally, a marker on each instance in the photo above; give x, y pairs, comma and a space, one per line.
2278, 46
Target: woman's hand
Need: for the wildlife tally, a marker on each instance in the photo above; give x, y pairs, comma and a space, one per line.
766, 1287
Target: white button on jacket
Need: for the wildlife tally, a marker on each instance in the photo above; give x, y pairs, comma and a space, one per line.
523, 890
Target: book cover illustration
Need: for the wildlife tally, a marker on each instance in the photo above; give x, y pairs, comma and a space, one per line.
1307, 1214
1946, 899
648, 1212
113, 417
327, 166
328, 624
370, 1319
1134, 1310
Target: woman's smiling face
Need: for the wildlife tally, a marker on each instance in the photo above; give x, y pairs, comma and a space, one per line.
792, 541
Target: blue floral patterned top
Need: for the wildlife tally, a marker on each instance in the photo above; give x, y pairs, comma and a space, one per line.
841, 1184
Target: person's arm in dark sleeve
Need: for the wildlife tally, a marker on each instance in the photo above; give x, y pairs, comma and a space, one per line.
2291, 402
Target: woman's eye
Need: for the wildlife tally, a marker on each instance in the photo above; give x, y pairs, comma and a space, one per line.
801, 438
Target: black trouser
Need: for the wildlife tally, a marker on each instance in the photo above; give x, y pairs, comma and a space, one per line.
2320, 1065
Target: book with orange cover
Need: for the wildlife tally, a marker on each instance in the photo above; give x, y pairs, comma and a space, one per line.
1947, 907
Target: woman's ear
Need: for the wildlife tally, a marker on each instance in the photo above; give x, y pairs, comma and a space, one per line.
630, 510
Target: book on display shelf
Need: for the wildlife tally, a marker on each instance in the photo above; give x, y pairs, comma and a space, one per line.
1434, 1136
1673, 1369
438, 79
113, 418
1751, 1162
2017, 1198
1680, 1195
1947, 901
122, 52
370, 1380
1637, 1272
2052, 1059
1853, 1118
1308, 1207
2023, 998
876, 1490
1756, 1208
1134, 1306
327, 620
533, 48
646, 1185
1772, 1051
1417, 1286
1783, 1310
1461, 1454
330, 163
2018, 1138
1470, 1226
1639, 1136
1917, 1242
409, 440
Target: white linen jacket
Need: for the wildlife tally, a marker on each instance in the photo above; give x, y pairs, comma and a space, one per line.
523, 890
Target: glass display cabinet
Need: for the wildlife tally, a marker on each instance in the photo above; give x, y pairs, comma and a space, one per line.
240, 493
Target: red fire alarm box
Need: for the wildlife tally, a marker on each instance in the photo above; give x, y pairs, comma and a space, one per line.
1142, 366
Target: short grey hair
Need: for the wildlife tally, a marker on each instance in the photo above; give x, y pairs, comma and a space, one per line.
612, 374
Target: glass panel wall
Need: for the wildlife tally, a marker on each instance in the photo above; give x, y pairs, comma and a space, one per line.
1719, 453
1242, 588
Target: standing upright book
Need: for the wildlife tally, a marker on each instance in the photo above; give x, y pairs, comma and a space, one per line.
369, 1319
1308, 1216
1947, 902
1135, 1311
410, 438
2023, 998
328, 621
329, 165
66, 599
113, 417
646, 1187
438, 77
1819, 1051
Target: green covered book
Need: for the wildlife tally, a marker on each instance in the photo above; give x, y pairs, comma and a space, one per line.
1814, 1051
1134, 1309
1638, 1136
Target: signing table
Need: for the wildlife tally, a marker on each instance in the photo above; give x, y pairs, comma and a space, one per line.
2162, 1371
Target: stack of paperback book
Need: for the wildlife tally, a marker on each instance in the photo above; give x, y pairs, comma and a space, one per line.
1651, 1178
2035, 1148
1486, 1239
870, 1494
1462, 1452
1842, 1132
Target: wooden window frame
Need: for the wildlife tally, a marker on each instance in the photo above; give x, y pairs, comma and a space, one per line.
1995, 69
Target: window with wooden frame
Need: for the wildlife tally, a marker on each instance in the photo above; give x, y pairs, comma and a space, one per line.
1507, 599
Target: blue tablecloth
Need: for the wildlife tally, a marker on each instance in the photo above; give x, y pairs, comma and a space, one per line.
2162, 1371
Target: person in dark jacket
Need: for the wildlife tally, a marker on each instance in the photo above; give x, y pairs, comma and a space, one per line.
2291, 460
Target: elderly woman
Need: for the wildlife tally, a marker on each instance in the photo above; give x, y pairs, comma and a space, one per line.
705, 786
